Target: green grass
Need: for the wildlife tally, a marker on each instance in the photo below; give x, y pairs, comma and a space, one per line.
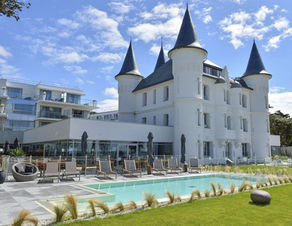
226, 210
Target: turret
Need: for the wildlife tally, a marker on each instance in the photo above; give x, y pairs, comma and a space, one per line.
161, 58
258, 78
187, 67
128, 78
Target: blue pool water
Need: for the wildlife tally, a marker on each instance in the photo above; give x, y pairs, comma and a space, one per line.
126, 191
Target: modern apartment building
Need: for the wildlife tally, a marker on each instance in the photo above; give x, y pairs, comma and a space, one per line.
25, 106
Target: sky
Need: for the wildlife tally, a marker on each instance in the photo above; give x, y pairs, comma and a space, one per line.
82, 43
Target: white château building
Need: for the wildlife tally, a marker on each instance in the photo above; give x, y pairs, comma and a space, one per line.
220, 117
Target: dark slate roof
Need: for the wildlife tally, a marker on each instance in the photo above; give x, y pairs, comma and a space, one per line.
130, 66
255, 64
187, 37
236, 84
220, 80
243, 83
160, 59
161, 74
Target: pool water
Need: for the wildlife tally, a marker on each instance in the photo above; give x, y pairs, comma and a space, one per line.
134, 190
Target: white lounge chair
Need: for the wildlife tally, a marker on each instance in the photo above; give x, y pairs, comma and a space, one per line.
158, 166
52, 170
105, 168
173, 166
194, 165
130, 167
71, 169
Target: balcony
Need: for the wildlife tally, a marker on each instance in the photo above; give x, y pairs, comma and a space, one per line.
3, 94
51, 115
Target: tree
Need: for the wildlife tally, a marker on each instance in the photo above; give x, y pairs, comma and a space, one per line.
11, 8
281, 124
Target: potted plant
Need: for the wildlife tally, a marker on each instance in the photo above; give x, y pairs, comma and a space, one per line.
18, 153
4, 168
4, 91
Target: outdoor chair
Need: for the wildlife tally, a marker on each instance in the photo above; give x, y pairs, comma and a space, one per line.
158, 166
130, 168
194, 166
52, 170
105, 168
173, 166
71, 169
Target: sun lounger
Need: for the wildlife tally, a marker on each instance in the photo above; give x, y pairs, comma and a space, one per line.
52, 170
194, 166
105, 168
173, 166
71, 169
130, 167
158, 166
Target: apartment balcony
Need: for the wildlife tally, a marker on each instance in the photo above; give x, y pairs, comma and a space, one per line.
84, 104
56, 116
3, 94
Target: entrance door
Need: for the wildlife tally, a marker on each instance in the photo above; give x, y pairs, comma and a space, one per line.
132, 151
228, 150
121, 155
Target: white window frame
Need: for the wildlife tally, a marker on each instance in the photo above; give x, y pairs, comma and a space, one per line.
165, 93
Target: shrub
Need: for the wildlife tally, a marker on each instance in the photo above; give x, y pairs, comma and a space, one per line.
132, 205
92, 207
24, 216
194, 194
118, 207
59, 212
207, 193
270, 181
150, 199
100, 204
245, 186
170, 196
213, 188
71, 205
232, 188
220, 189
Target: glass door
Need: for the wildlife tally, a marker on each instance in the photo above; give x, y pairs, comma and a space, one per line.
132, 151
121, 155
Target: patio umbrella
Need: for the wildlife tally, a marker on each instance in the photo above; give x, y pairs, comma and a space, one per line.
16, 143
84, 142
6, 148
150, 148
183, 148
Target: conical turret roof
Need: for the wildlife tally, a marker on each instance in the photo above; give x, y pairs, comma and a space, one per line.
161, 58
187, 37
130, 66
255, 64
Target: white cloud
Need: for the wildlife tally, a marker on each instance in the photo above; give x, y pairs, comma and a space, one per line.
262, 13
204, 14
112, 92
107, 27
107, 57
162, 21
239, 1
155, 49
71, 57
107, 105
4, 52
107, 69
274, 41
79, 81
121, 7
281, 23
280, 100
68, 23
75, 69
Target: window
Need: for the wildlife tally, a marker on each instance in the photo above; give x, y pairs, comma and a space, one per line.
154, 96
80, 114
206, 120
199, 117
244, 124
72, 98
144, 99
48, 94
244, 148
25, 109
244, 101
50, 112
206, 92
165, 119
225, 121
207, 149
199, 85
165, 93
240, 122
144, 120
14, 92
240, 99
199, 148
154, 120
18, 125
224, 95
227, 97
268, 126
229, 122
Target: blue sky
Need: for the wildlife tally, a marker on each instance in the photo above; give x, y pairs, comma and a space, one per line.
82, 44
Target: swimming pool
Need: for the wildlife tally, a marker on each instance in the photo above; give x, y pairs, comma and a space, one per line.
124, 192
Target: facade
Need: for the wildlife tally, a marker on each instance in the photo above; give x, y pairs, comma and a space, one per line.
220, 117
107, 115
25, 106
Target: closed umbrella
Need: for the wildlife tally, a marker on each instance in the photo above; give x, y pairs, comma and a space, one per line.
183, 148
84, 142
150, 148
16, 143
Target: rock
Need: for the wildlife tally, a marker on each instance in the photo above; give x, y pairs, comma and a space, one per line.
260, 197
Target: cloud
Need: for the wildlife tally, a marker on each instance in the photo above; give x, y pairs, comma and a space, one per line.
68, 23
239, 1
107, 105
4, 52
242, 25
162, 21
71, 57
107, 69
280, 99
8, 71
79, 81
108, 57
204, 14
112, 92
120, 7
75, 69
106, 27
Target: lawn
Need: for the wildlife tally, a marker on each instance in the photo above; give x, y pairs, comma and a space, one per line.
226, 210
